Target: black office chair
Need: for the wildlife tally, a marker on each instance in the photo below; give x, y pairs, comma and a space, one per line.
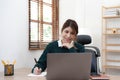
86, 39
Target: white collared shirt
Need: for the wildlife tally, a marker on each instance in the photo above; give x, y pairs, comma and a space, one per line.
60, 43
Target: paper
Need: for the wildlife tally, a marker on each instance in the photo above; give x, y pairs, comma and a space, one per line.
42, 74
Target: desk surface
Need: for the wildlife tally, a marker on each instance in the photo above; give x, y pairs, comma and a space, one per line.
21, 74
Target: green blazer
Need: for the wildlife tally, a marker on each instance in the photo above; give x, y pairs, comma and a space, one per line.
53, 48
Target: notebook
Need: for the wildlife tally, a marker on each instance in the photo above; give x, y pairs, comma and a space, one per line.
68, 66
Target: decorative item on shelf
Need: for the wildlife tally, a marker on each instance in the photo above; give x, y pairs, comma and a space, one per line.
114, 30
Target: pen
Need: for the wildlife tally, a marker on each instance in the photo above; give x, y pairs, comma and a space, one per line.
14, 61
35, 60
3, 62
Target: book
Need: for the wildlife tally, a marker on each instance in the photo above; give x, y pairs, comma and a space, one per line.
100, 77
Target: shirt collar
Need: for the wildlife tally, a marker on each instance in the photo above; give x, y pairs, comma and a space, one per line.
60, 43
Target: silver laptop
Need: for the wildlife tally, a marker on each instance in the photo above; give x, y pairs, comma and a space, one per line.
68, 66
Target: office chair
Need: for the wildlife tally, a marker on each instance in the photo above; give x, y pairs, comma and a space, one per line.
86, 39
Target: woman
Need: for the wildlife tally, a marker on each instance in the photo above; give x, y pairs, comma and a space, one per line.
66, 44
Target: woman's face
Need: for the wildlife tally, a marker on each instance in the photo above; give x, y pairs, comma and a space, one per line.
68, 35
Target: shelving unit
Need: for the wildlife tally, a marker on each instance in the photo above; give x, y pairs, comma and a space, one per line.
111, 37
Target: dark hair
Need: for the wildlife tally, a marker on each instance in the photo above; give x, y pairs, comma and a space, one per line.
70, 23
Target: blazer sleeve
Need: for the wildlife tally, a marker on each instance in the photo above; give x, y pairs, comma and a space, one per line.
42, 62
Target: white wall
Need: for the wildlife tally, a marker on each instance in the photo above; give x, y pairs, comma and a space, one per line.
87, 13
14, 26
14, 33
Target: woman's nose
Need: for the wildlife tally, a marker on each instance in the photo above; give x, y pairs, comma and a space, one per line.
68, 35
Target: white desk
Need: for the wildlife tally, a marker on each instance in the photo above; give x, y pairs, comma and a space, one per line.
21, 74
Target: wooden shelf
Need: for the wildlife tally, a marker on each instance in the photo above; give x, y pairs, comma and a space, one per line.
116, 51
109, 60
112, 28
112, 44
112, 34
109, 7
112, 66
117, 16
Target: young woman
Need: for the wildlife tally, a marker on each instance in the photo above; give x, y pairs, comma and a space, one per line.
66, 44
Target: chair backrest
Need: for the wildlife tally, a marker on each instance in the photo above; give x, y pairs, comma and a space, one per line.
86, 39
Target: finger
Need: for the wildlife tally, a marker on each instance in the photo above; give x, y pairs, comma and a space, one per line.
37, 71
65, 45
72, 42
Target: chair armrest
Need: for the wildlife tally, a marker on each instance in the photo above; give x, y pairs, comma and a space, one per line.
96, 49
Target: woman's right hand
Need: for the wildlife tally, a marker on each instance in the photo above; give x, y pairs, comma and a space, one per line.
37, 70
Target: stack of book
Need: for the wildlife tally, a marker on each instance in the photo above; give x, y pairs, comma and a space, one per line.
111, 12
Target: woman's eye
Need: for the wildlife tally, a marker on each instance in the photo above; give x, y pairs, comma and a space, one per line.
66, 31
72, 33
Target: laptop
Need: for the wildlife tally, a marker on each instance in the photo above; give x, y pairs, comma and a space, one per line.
68, 66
